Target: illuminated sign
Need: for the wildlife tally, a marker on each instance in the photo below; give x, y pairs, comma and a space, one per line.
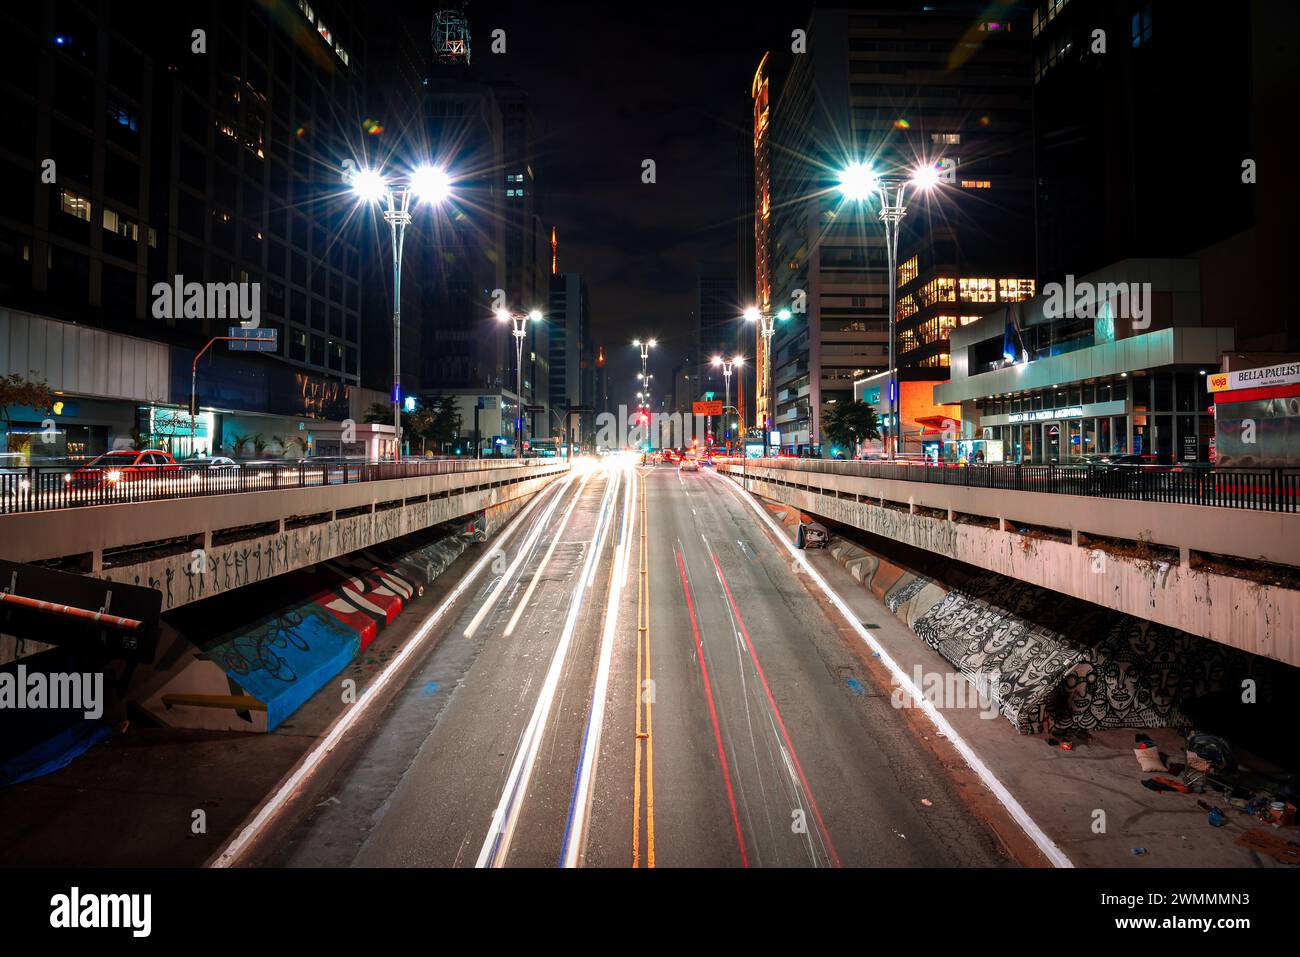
1263, 378
1046, 415
707, 408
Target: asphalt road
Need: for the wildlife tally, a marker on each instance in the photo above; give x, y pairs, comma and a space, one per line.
639, 678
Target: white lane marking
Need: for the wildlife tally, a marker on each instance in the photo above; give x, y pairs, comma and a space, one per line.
577, 830
1004, 796
537, 575
230, 854
529, 543
504, 818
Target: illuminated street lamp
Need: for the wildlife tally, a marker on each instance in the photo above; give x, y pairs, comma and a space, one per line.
519, 321
646, 345
727, 365
767, 326
427, 184
859, 182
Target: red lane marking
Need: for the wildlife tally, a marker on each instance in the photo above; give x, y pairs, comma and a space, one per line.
835, 858
713, 712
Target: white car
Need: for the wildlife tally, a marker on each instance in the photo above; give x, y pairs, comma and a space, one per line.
689, 464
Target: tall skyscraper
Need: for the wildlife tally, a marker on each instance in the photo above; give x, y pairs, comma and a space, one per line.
761, 178
894, 87
568, 325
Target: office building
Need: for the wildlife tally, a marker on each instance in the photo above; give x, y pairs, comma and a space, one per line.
895, 86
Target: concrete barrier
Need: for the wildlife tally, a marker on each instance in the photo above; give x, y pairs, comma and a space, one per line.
1259, 618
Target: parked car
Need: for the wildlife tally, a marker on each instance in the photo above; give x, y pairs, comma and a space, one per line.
121, 466
211, 462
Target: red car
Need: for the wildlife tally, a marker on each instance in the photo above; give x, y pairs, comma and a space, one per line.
124, 465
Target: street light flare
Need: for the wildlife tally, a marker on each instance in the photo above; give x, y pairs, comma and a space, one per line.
430, 183
369, 185
858, 181
925, 176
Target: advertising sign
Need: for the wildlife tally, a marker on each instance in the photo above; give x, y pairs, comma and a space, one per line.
1288, 373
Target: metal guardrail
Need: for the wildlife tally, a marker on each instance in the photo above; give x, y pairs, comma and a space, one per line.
39, 488
1273, 490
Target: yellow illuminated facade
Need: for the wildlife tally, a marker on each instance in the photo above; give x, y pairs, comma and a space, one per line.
927, 313
759, 90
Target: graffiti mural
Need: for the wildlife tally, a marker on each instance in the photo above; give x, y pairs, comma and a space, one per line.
294, 648
1050, 661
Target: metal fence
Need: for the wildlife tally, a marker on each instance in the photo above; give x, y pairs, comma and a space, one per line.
1274, 490
37, 489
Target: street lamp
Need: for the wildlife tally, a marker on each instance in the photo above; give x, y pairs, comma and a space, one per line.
727, 365
859, 182
767, 326
519, 321
425, 183
646, 345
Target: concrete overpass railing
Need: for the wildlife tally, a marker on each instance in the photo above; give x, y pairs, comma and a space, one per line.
1227, 574
197, 546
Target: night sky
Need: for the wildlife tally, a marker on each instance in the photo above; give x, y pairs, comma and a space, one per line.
612, 85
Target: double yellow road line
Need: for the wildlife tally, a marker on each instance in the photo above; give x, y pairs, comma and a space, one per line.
644, 709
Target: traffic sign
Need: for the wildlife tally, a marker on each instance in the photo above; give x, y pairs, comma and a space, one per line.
253, 340
707, 408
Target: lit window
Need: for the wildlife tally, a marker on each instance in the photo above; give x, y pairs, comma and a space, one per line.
979, 290
1015, 290
114, 222
1142, 26
946, 139
907, 272
122, 116
74, 204
307, 11
976, 184
323, 30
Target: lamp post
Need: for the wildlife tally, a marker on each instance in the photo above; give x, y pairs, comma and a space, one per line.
646, 345
519, 322
767, 326
859, 182
727, 365
429, 184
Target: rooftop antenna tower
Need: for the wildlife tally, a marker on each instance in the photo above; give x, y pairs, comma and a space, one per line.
451, 37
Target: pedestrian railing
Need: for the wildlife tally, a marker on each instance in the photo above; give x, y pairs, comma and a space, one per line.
1275, 490
41, 488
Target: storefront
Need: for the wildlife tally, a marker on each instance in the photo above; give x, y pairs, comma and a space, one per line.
73, 430
1257, 416
1164, 413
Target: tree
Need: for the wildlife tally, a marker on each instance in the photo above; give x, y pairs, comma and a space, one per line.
437, 423
444, 427
850, 423
16, 390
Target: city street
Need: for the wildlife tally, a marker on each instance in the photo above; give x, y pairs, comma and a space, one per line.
751, 742
484, 435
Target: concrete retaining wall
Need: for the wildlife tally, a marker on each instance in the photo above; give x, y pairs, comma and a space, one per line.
1261, 619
